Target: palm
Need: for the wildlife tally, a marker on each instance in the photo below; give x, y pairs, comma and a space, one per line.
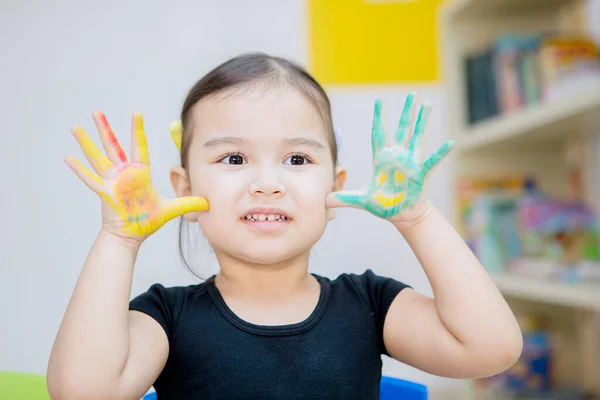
131, 206
135, 204
399, 176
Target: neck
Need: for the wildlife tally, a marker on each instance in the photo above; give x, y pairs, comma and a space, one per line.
264, 281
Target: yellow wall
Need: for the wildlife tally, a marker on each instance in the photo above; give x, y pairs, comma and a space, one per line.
373, 41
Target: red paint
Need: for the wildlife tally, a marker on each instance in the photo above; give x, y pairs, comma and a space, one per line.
112, 139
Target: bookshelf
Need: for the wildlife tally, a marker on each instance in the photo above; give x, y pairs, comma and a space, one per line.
547, 122
546, 140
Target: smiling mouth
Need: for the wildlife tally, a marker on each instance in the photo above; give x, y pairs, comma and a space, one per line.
265, 218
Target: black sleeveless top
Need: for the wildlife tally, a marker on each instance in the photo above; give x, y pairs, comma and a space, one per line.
334, 354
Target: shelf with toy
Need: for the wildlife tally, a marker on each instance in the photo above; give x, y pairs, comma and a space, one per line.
583, 294
546, 368
543, 252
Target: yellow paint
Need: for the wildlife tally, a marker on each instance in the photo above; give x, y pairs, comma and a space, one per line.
398, 177
140, 137
102, 163
373, 41
382, 178
389, 202
92, 176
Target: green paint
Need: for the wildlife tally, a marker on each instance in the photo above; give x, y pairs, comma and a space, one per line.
378, 140
405, 119
387, 161
417, 138
139, 218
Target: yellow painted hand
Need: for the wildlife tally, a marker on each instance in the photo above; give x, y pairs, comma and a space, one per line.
130, 207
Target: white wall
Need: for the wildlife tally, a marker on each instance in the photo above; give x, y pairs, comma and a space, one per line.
62, 60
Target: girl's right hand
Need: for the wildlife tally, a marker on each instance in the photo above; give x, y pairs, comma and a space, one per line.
131, 208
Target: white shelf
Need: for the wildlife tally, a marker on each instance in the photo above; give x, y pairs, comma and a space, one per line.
544, 141
549, 121
577, 295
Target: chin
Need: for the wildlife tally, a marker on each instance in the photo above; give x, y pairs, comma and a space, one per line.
265, 259
264, 248
269, 253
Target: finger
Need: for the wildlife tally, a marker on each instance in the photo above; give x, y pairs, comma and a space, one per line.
437, 157
139, 145
99, 162
378, 137
406, 119
349, 198
177, 133
416, 140
92, 180
113, 149
183, 205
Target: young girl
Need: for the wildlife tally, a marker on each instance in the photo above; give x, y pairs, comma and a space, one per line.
258, 145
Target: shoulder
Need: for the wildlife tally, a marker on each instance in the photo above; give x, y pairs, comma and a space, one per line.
366, 281
166, 304
171, 294
374, 289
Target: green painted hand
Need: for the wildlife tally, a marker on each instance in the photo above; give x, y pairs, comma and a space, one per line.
399, 176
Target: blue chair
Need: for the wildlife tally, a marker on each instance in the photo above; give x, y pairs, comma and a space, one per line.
399, 389
390, 389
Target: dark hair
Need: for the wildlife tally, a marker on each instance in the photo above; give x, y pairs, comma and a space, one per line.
247, 71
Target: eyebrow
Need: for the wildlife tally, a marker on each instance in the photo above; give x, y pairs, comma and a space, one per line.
238, 141
304, 142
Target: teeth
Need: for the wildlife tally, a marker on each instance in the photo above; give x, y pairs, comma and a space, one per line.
265, 217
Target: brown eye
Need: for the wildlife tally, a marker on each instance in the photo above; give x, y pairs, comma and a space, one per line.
296, 160
234, 159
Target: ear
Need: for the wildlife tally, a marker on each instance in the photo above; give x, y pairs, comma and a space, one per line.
181, 186
340, 178
338, 184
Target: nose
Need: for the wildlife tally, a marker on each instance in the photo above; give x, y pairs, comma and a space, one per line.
267, 183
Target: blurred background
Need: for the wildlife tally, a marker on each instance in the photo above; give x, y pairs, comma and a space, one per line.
516, 83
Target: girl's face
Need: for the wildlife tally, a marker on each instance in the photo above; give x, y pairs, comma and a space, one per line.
262, 160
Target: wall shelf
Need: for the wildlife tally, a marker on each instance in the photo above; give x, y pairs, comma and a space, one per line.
546, 141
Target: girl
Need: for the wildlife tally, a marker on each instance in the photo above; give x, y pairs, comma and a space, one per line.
258, 145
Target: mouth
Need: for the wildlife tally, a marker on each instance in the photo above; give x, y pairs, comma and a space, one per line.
266, 219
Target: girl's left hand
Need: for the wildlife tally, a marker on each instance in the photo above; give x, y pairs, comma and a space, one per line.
395, 191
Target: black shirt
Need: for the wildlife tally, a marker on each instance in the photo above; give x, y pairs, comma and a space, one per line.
334, 354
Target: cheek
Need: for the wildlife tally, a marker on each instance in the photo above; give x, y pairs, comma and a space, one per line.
217, 187
309, 192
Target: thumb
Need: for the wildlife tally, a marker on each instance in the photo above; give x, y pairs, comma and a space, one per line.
173, 208
348, 198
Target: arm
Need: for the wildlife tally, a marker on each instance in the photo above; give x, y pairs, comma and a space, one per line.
102, 349
468, 330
